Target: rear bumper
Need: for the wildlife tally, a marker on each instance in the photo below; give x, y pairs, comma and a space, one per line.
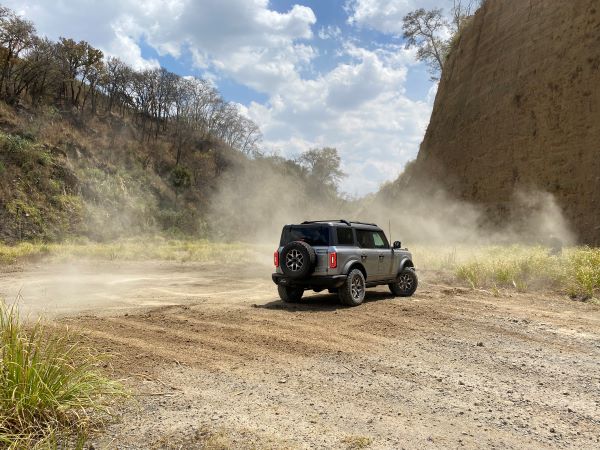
320, 282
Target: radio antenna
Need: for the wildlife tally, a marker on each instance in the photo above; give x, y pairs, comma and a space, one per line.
390, 229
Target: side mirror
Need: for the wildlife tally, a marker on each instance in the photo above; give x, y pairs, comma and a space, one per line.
397, 245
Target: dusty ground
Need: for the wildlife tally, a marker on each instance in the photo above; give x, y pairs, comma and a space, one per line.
220, 361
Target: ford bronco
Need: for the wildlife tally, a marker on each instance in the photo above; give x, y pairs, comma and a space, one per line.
341, 256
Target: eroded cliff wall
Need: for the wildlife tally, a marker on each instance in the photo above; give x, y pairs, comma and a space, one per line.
518, 108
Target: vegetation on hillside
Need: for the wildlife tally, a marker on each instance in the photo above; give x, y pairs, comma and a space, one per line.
91, 147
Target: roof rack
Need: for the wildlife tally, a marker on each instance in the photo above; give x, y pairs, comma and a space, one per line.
306, 222
347, 222
366, 223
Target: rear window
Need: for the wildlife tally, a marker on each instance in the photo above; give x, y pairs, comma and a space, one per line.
345, 236
315, 236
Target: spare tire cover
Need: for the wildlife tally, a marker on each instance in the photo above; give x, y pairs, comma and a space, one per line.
298, 260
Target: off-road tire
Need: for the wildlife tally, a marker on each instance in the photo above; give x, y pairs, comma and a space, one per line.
298, 260
290, 294
352, 292
406, 283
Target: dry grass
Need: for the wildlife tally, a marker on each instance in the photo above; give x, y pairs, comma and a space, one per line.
138, 249
51, 392
575, 272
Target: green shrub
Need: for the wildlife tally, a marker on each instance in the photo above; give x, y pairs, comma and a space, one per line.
14, 143
181, 178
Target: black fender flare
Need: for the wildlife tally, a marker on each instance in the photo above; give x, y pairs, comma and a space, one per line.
406, 262
354, 264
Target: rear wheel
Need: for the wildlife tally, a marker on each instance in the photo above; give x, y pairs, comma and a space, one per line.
352, 292
290, 294
405, 284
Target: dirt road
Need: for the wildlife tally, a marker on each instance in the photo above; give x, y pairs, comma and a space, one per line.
222, 361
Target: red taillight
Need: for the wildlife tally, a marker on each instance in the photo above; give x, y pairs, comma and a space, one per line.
333, 260
276, 258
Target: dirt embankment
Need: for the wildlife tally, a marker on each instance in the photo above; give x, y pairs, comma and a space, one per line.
213, 358
518, 108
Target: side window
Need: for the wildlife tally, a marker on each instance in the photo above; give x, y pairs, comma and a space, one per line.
345, 236
365, 238
380, 240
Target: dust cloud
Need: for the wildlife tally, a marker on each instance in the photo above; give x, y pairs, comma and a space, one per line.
253, 203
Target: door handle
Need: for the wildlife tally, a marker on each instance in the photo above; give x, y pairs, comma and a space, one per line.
381, 256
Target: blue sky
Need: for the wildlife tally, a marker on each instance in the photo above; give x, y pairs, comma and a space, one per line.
329, 13
311, 73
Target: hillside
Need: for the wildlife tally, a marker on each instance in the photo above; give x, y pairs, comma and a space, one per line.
91, 147
518, 111
63, 177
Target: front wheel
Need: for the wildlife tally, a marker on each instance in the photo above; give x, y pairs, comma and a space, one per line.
405, 284
290, 294
352, 292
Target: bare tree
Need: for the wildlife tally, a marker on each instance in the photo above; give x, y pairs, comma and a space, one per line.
461, 11
428, 32
423, 30
251, 139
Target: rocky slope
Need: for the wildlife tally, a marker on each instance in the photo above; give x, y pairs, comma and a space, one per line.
518, 109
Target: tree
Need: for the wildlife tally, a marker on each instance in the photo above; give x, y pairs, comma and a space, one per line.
116, 83
33, 73
76, 75
423, 30
461, 11
428, 32
80, 64
324, 172
16, 35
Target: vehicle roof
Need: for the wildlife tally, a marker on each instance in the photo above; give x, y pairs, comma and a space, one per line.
339, 223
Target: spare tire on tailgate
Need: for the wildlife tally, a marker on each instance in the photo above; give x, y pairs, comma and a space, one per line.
298, 260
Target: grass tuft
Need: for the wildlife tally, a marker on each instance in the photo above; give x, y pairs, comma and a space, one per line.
51, 392
357, 442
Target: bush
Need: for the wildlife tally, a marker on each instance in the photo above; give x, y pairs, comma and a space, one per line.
50, 389
181, 178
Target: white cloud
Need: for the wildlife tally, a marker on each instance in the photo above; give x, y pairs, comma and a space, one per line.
330, 32
359, 108
385, 15
245, 36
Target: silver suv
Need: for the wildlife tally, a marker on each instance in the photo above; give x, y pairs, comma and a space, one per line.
343, 257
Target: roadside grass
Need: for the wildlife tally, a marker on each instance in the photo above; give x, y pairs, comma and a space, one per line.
135, 249
575, 272
51, 391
